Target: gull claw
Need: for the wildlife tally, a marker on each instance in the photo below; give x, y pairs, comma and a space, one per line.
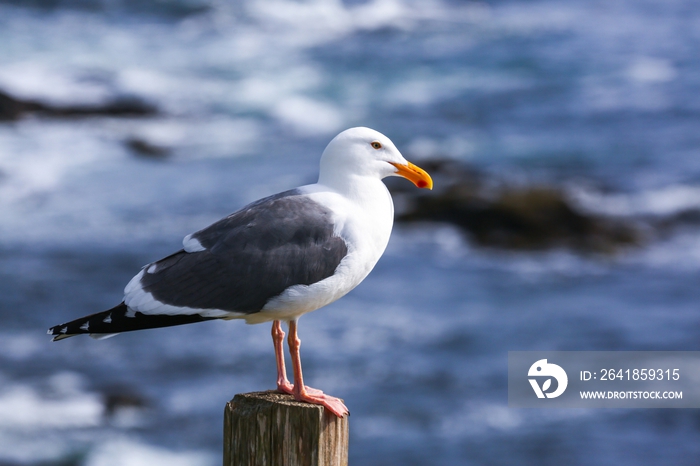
317, 397
289, 389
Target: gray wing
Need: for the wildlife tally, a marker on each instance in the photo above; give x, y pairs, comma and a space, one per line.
250, 257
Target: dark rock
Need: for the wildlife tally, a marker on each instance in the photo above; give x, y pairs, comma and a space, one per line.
144, 148
12, 108
123, 107
513, 217
667, 225
122, 399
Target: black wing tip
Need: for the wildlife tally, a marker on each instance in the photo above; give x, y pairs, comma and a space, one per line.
120, 319
80, 326
59, 332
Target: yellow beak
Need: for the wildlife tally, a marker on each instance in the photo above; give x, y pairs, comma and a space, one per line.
414, 174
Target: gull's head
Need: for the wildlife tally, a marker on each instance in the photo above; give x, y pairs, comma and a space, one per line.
366, 152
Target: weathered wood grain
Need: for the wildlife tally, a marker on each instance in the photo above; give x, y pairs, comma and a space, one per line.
271, 429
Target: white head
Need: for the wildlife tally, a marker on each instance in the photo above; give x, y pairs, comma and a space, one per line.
365, 152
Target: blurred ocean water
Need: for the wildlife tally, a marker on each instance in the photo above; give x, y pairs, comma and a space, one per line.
600, 98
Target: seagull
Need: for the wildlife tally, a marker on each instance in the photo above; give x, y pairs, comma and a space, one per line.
275, 259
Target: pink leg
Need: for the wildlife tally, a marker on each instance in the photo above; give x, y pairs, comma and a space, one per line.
304, 393
283, 384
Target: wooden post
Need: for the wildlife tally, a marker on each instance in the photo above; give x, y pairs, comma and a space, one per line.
271, 429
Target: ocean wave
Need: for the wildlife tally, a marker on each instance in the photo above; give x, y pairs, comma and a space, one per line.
130, 452
65, 405
663, 201
679, 253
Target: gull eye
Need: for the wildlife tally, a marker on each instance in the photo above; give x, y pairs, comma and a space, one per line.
376, 145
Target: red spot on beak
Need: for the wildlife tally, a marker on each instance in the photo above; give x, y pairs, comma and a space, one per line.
414, 174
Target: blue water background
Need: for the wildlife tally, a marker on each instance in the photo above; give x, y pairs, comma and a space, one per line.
600, 98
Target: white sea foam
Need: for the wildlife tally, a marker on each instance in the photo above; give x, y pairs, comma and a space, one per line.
59, 417
471, 419
680, 253
129, 452
476, 417
317, 21
35, 157
195, 138
28, 79
243, 60
308, 116
70, 182
20, 346
24, 407
666, 200
424, 87
651, 70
